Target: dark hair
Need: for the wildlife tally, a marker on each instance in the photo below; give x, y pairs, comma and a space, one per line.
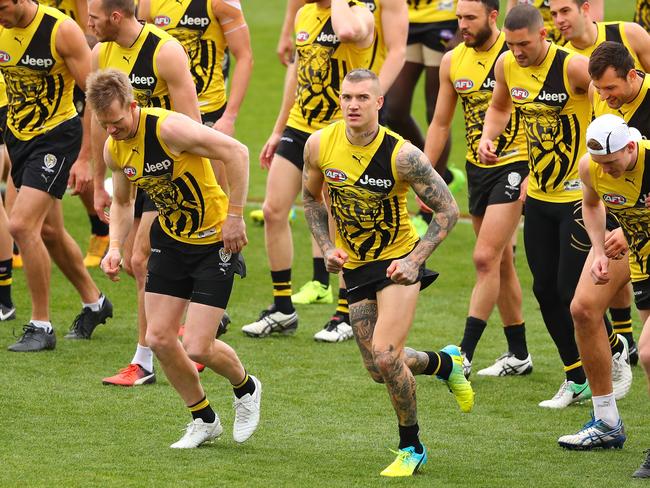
490, 5
613, 54
523, 17
127, 7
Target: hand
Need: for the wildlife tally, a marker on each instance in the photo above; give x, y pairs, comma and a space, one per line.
102, 202
285, 49
80, 176
233, 234
225, 125
523, 190
600, 270
335, 258
487, 152
111, 263
615, 244
268, 151
403, 271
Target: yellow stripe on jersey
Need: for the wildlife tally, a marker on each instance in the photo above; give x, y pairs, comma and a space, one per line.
472, 75
191, 205
323, 61
368, 199
3, 91
625, 197
39, 84
555, 120
429, 11
608, 31
139, 63
635, 112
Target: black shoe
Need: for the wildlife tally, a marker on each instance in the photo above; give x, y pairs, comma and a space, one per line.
84, 324
34, 339
7, 313
633, 354
644, 469
223, 325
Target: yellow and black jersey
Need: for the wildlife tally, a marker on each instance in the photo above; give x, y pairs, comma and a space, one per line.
625, 198
194, 25
368, 198
39, 84
68, 7
323, 61
191, 205
544, 7
429, 11
472, 75
608, 31
3, 91
139, 62
635, 113
642, 14
555, 120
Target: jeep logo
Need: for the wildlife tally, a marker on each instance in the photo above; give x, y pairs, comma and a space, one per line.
37, 62
130, 171
302, 36
161, 21
552, 97
4, 57
336, 175
142, 80
614, 199
327, 38
519, 93
489, 83
161, 166
198, 21
463, 85
366, 180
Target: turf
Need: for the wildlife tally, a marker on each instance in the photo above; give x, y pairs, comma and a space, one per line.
324, 423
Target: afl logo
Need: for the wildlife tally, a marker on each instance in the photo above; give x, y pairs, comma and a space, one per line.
302, 36
4, 57
130, 171
162, 21
463, 85
519, 93
336, 175
614, 199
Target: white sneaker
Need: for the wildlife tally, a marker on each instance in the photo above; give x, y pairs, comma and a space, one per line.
621, 371
247, 413
271, 321
197, 433
467, 365
569, 392
509, 365
336, 330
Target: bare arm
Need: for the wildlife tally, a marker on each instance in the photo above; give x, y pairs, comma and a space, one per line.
497, 116
593, 210
82, 12
639, 41
395, 23
144, 11
597, 9
173, 67
440, 126
353, 24
285, 43
578, 74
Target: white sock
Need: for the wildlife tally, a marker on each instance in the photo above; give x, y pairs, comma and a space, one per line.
42, 324
144, 357
605, 409
95, 306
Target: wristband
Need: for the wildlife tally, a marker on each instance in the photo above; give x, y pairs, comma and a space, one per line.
235, 216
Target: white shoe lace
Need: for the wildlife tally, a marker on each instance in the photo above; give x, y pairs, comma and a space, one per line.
243, 408
561, 391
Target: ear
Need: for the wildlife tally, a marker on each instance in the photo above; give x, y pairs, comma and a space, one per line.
380, 102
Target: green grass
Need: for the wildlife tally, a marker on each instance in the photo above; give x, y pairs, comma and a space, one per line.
324, 423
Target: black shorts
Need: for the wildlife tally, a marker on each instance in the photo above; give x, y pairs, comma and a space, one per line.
491, 186
79, 100
642, 294
611, 222
364, 282
210, 118
3, 123
434, 35
292, 146
44, 161
199, 273
142, 204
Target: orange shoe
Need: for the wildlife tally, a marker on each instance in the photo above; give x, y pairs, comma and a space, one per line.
97, 247
17, 261
199, 367
132, 375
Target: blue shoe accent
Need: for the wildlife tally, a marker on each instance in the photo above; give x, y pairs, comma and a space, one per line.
595, 434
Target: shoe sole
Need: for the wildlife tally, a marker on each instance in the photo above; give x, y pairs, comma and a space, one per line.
608, 445
148, 380
109, 315
342, 339
33, 350
527, 371
287, 331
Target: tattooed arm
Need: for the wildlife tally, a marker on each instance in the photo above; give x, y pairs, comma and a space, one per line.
315, 209
414, 167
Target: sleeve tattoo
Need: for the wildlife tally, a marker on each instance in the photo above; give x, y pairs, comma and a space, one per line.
315, 210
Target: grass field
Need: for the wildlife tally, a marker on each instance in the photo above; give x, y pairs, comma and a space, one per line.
324, 423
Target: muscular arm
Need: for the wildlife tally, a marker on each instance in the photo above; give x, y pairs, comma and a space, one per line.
395, 23
312, 195
285, 43
440, 126
353, 24
593, 210
639, 41
144, 11
578, 74
497, 116
173, 67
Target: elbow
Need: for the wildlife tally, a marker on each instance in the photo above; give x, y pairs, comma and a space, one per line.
350, 33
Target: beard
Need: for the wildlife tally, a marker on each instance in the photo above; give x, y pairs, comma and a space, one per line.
481, 36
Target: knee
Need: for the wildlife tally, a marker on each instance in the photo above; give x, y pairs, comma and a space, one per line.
158, 342
385, 361
584, 314
274, 214
138, 264
486, 261
197, 352
19, 230
49, 234
644, 359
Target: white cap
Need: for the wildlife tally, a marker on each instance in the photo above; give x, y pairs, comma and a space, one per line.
611, 133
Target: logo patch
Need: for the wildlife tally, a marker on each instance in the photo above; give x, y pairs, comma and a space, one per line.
49, 160
162, 21
514, 179
4, 57
336, 175
378, 182
614, 199
463, 84
130, 171
302, 36
519, 93
224, 255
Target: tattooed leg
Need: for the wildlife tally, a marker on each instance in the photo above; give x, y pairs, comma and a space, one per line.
363, 316
417, 361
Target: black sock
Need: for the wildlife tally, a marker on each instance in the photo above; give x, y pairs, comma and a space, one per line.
408, 436
202, 410
445, 364
98, 227
622, 322
614, 344
16, 251
473, 330
5, 282
282, 291
342, 309
575, 373
320, 272
246, 386
516, 337
448, 176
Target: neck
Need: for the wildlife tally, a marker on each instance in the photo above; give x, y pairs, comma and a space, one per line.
362, 136
136, 122
588, 37
28, 14
129, 32
490, 41
324, 3
542, 54
637, 84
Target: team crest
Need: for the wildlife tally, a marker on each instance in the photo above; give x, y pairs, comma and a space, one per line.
161, 21
302, 36
4, 57
463, 84
514, 179
130, 171
614, 199
519, 93
49, 160
224, 255
336, 175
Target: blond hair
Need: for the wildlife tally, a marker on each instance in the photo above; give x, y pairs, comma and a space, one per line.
105, 86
